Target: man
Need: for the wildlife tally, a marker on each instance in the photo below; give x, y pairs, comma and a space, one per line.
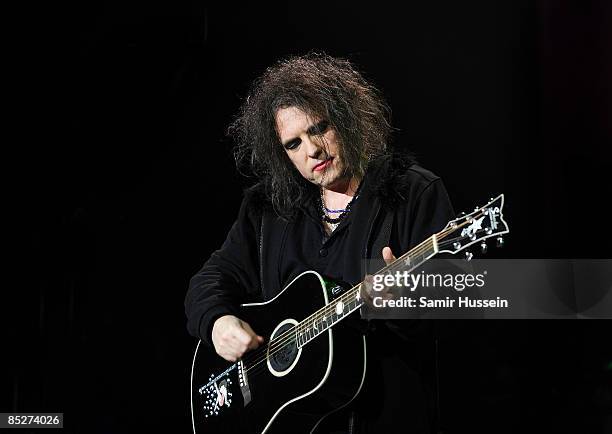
330, 195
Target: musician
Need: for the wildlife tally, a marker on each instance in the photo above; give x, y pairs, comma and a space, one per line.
315, 134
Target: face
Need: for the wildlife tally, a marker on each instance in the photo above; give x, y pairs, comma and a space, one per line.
312, 146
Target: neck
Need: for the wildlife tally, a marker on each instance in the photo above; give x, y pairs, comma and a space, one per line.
340, 193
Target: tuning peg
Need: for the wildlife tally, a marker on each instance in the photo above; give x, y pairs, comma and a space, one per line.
500, 242
483, 247
461, 215
468, 255
457, 245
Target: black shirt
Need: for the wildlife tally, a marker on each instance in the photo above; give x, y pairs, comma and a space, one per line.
314, 249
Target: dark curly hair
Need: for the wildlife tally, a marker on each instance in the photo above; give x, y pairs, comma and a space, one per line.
322, 87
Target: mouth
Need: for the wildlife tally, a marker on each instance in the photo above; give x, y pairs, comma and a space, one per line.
323, 165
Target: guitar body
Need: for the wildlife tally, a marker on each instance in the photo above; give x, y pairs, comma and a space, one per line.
280, 387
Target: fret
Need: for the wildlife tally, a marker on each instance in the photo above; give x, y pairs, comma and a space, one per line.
410, 261
328, 316
324, 320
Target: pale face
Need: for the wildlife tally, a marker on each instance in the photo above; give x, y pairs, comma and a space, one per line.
311, 145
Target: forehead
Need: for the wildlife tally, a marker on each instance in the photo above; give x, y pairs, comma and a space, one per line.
292, 122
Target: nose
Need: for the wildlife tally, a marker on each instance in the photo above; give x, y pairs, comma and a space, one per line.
313, 147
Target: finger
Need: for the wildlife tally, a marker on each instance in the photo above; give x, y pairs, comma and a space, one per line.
366, 288
387, 255
241, 339
229, 356
227, 353
388, 294
254, 343
254, 339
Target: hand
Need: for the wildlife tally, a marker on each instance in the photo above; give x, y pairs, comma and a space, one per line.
367, 291
233, 337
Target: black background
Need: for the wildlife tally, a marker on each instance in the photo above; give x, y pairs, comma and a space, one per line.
128, 184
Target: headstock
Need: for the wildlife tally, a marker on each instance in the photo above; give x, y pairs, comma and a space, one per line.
476, 227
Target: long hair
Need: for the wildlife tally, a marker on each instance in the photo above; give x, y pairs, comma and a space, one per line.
322, 87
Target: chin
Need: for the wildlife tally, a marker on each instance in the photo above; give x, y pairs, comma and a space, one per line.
332, 182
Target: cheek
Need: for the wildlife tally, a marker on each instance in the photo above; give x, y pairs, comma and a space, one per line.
297, 160
332, 141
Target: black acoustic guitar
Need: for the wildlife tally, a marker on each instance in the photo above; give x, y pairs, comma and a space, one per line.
307, 368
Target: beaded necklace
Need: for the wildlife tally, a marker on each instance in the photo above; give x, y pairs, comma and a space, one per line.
335, 221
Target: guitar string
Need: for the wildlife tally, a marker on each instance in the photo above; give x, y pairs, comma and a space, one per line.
417, 251
254, 368
331, 306
258, 367
290, 336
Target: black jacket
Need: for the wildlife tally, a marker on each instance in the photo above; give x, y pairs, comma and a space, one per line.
252, 265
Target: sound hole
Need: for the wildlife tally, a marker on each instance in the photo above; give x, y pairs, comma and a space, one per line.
283, 352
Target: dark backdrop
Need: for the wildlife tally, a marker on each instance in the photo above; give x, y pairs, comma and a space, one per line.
128, 185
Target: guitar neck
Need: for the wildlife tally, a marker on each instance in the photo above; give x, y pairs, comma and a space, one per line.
351, 300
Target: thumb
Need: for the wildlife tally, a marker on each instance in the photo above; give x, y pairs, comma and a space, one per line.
246, 327
387, 255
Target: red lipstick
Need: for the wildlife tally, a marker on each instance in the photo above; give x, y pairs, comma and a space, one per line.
322, 165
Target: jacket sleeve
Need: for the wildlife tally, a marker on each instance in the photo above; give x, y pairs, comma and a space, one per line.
227, 279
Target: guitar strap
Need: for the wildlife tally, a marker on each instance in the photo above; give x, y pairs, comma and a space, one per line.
261, 260
374, 260
383, 236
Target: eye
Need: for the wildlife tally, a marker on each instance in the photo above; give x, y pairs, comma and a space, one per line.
321, 127
293, 144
